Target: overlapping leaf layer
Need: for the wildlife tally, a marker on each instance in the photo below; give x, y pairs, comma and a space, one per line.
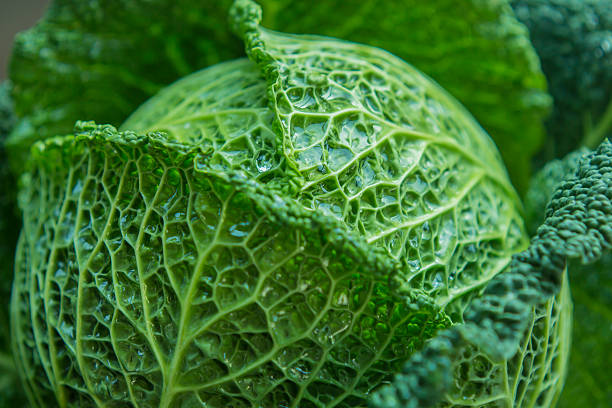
577, 227
144, 280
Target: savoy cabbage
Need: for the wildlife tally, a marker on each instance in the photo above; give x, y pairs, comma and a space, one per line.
318, 224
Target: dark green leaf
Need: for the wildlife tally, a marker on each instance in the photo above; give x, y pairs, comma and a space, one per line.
10, 388
591, 286
574, 41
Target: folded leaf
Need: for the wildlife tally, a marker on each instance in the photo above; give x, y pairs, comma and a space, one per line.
577, 227
591, 287
166, 285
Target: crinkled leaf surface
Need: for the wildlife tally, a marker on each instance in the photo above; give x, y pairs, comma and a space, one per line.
363, 137
162, 285
475, 366
475, 49
572, 38
278, 237
100, 59
591, 288
578, 228
543, 185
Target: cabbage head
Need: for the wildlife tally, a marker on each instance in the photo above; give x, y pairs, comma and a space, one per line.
279, 231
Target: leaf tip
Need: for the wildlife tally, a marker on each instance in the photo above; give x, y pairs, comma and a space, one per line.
245, 17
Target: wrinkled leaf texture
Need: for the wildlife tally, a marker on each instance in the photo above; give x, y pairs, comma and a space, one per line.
591, 288
577, 228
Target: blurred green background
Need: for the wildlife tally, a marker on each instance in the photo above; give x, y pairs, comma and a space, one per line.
15, 16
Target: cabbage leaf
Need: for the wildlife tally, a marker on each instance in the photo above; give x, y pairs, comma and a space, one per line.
577, 228
282, 230
9, 230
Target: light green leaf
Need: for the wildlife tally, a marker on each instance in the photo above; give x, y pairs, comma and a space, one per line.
477, 50
165, 285
577, 228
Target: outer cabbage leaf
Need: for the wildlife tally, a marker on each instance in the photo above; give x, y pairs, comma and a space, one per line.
544, 184
99, 60
591, 288
573, 39
272, 240
10, 394
165, 285
577, 227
